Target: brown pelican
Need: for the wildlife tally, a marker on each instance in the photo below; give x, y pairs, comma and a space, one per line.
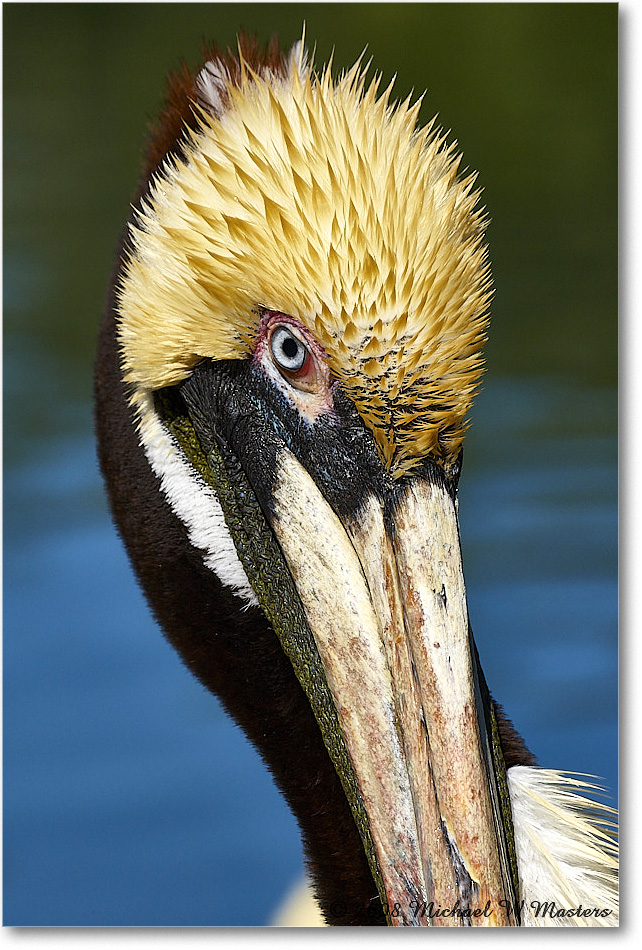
286, 366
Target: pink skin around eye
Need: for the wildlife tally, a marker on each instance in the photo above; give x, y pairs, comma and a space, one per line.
310, 402
272, 317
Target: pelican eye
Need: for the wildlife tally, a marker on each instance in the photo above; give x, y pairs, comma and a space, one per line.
289, 352
293, 355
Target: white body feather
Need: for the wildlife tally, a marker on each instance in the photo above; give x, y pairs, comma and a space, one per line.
566, 855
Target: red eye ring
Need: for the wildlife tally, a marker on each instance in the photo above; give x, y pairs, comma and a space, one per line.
299, 360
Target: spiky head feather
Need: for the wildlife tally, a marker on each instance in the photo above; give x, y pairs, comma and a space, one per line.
320, 199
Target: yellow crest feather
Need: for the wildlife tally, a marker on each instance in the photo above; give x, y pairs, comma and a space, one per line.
319, 199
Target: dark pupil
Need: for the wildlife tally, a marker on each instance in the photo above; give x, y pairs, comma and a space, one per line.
290, 347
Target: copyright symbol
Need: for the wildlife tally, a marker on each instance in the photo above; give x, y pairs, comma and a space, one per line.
337, 909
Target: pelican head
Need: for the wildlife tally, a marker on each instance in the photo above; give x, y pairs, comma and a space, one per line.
285, 376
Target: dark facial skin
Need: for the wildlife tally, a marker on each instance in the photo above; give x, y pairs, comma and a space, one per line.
233, 404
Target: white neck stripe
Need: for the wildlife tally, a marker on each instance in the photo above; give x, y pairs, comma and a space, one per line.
194, 502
